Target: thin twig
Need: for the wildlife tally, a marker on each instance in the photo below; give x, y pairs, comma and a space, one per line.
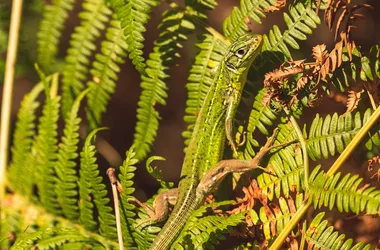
114, 183
8, 90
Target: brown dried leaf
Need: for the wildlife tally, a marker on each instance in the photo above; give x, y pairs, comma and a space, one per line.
279, 75
251, 193
340, 20
302, 82
276, 7
353, 100
291, 205
320, 53
374, 161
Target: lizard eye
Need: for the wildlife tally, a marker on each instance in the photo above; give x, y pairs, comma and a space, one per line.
240, 53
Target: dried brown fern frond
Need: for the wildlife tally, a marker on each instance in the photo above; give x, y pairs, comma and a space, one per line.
374, 161
343, 15
275, 7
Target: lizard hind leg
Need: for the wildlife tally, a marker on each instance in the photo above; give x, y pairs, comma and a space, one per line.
159, 210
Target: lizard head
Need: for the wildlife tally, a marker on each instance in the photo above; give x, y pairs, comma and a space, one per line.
242, 52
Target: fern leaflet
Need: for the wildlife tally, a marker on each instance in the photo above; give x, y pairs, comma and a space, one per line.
23, 141
104, 73
65, 167
44, 151
235, 24
50, 31
133, 15
127, 209
205, 232
49, 238
320, 237
175, 26
93, 193
93, 17
344, 194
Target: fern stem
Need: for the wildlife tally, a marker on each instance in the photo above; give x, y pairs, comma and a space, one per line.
334, 168
303, 147
8, 90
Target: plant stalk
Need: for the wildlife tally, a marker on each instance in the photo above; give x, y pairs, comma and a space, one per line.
8, 90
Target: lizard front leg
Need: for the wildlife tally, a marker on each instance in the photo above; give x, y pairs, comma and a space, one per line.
215, 175
160, 208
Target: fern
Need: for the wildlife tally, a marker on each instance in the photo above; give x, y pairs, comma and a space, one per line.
93, 193
235, 24
23, 140
49, 239
211, 52
301, 21
332, 134
104, 73
204, 232
326, 136
51, 31
133, 15
93, 17
273, 218
127, 209
40, 160
65, 167
175, 27
320, 237
344, 194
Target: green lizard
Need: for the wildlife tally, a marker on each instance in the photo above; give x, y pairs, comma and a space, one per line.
214, 124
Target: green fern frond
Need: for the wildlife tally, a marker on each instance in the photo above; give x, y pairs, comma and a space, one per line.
343, 193
319, 236
23, 140
51, 31
93, 193
332, 134
175, 26
260, 117
127, 209
274, 218
50, 238
327, 136
134, 15
40, 161
211, 52
205, 232
200, 6
287, 166
104, 73
65, 166
235, 24
93, 18
301, 21
145, 236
